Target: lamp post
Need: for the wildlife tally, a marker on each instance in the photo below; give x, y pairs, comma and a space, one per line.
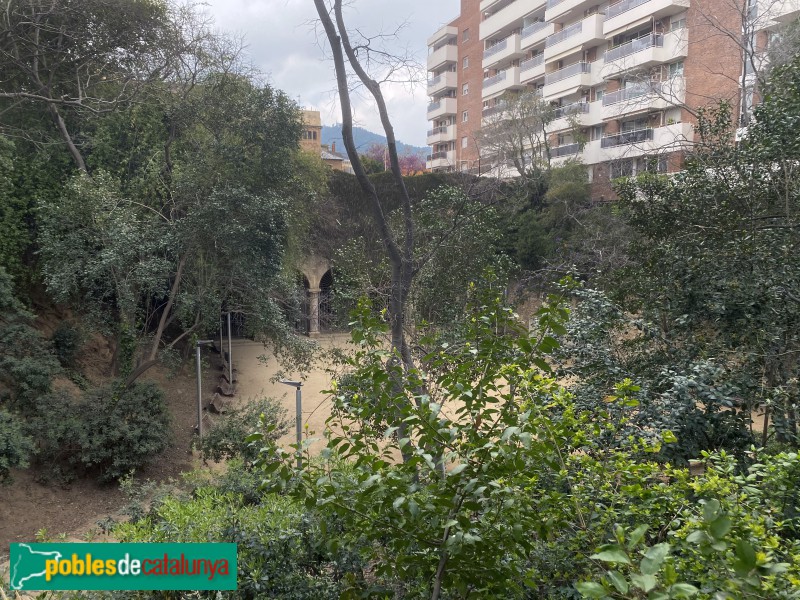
299, 417
200, 389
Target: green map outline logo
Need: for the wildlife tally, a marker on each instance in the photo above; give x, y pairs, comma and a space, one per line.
120, 566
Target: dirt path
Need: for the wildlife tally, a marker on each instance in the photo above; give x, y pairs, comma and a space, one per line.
254, 382
29, 506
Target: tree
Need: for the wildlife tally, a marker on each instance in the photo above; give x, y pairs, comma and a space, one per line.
72, 58
515, 134
713, 266
399, 249
202, 227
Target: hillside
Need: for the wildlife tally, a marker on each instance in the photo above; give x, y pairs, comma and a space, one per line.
364, 139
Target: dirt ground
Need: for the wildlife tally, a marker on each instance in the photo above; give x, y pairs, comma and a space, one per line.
29, 506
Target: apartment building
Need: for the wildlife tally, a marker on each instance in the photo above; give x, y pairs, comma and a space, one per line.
625, 77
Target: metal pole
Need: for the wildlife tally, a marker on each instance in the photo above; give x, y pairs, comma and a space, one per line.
299, 409
230, 353
221, 326
199, 396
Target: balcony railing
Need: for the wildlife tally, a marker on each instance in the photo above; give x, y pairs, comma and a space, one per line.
629, 93
532, 28
433, 106
571, 109
493, 110
624, 6
434, 81
437, 130
552, 3
499, 9
626, 137
565, 150
569, 71
489, 81
437, 47
634, 46
562, 35
499, 46
437, 155
531, 62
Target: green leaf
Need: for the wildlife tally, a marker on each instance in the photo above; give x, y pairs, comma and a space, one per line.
614, 554
618, 581
711, 510
682, 590
457, 469
746, 554
636, 536
654, 558
590, 589
720, 527
644, 582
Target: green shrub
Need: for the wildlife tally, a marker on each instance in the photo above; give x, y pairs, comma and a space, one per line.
227, 438
66, 343
109, 431
15, 446
280, 548
122, 429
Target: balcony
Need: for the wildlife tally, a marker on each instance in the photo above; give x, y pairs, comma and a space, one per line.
558, 8
567, 80
506, 18
447, 53
565, 116
441, 134
634, 46
535, 33
442, 107
497, 84
786, 11
644, 97
635, 136
668, 138
441, 160
565, 150
442, 82
645, 52
622, 14
443, 33
531, 69
503, 51
579, 36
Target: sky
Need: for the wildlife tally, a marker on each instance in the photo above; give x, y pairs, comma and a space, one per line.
281, 42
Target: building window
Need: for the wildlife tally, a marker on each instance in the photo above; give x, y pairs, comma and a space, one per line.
464, 141
677, 24
465, 89
466, 62
621, 168
465, 116
309, 135
465, 36
676, 69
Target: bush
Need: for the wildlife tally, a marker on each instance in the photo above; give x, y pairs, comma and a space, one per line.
226, 439
15, 446
66, 343
110, 430
281, 548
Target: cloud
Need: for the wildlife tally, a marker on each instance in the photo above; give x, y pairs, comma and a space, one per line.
281, 42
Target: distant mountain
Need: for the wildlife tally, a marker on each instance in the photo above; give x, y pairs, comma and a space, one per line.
364, 139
